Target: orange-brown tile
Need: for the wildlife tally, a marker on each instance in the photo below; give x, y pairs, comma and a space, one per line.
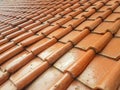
89, 40
74, 22
113, 17
14, 34
28, 27
19, 21
56, 33
68, 59
13, 64
112, 49
74, 13
22, 36
111, 2
10, 53
9, 31
58, 53
89, 8
83, 25
104, 8
108, 82
25, 23
103, 27
39, 27
79, 66
26, 69
6, 46
69, 36
91, 75
94, 16
50, 50
62, 21
54, 19
3, 76
46, 80
46, 31
63, 83
30, 48
6, 28
3, 41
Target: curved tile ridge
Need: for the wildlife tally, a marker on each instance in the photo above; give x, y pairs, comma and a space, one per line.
102, 42
8, 54
108, 82
3, 76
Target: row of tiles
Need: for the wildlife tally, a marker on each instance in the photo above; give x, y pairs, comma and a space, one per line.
117, 10
112, 17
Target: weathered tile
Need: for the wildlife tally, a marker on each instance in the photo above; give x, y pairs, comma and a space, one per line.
46, 80
8, 85
76, 85
91, 75
68, 59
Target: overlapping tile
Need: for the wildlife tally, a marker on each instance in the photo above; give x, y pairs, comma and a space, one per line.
60, 45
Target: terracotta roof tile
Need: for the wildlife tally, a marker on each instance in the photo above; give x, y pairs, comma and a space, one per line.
112, 52
113, 17
88, 41
104, 8
103, 27
83, 25
30, 48
73, 55
51, 75
69, 37
91, 75
50, 50
60, 45
14, 62
97, 14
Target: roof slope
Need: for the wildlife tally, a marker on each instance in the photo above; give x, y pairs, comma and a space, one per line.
60, 45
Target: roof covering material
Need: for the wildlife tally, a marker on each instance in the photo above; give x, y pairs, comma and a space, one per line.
60, 45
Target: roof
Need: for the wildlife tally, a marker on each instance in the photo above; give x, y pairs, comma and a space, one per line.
60, 45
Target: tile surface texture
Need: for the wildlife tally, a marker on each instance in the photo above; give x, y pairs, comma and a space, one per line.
60, 45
